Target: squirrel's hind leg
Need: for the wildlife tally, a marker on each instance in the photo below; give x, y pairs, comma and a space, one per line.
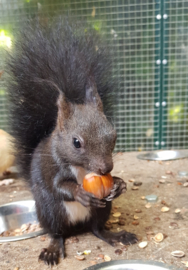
112, 238
54, 251
100, 216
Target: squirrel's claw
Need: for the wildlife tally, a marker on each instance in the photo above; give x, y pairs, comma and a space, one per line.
119, 187
87, 199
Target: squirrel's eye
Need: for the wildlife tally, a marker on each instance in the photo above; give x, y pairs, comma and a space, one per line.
76, 143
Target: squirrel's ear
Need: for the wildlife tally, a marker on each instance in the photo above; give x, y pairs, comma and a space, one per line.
91, 94
64, 110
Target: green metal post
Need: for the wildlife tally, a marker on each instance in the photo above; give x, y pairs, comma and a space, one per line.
157, 73
160, 86
164, 102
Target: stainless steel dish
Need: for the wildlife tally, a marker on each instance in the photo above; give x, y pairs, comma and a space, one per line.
132, 265
164, 155
14, 215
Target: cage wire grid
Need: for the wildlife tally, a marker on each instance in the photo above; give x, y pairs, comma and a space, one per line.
140, 40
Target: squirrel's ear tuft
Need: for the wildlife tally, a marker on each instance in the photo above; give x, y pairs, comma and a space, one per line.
64, 110
91, 94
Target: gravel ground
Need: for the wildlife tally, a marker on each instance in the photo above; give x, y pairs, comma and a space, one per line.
173, 194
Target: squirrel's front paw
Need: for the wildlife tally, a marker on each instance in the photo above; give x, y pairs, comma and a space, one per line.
87, 199
119, 187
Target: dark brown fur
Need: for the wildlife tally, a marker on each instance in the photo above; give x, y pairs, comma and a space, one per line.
61, 130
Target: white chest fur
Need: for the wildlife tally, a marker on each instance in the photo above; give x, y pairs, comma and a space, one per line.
75, 210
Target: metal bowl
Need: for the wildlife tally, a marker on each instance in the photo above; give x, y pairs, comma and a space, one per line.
14, 215
163, 155
132, 265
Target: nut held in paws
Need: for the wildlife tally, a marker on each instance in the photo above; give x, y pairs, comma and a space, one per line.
99, 185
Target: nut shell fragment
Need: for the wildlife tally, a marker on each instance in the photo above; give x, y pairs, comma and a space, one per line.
158, 237
114, 221
178, 253
117, 214
135, 188
148, 205
165, 209
80, 258
185, 263
131, 180
143, 244
107, 258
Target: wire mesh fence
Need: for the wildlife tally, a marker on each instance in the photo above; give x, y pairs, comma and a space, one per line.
151, 61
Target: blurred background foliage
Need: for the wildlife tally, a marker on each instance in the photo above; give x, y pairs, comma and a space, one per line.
136, 36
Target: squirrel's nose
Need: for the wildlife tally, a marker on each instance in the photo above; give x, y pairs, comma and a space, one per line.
106, 168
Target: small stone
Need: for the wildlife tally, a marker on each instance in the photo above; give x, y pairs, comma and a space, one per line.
107, 258
42, 238
137, 183
101, 256
165, 203
134, 188
177, 211
117, 214
173, 225
108, 226
178, 253
165, 209
138, 211
151, 198
116, 207
149, 237
124, 248
118, 251
143, 244
136, 217
148, 205
16, 268
72, 240
135, 222
121, 222
131, 180
150, 233
157, 218
93, 262
185, 184
183, 173
164, 177
149, 228
162, 181
168, 172
143, 197
80, 258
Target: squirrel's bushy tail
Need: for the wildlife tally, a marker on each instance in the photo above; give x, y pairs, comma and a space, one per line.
63, 54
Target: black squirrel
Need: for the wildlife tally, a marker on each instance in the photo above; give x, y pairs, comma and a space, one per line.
60, 92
